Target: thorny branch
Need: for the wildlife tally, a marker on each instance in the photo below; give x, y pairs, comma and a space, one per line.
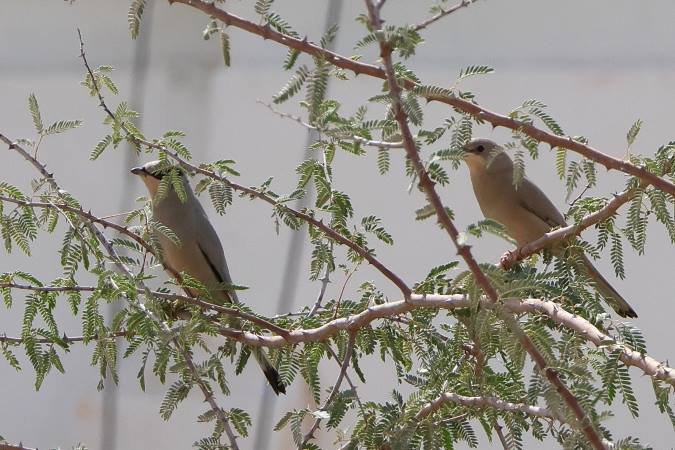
497, 120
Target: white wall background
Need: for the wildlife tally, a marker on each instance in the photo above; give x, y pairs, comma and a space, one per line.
599, 65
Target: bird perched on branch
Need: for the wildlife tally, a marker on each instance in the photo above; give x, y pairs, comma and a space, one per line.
524, 210
199, 252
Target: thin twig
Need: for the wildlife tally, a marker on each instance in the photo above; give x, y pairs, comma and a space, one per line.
29, 287
336, 309
500, 435
333, 133
334, 391
294, 314
442, 13
497, 404
322, 292
86, 215
581, 194
352, 386
63, 339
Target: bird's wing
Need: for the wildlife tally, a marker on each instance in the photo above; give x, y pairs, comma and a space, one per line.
534, 200
212, 249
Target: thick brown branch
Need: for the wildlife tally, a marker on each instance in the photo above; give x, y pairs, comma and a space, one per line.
468, 107
554, 311
630, 357
487, 402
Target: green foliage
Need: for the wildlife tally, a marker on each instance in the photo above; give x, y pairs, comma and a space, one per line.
633, 132
469, 351
262, 7
293, 85
221, 196
225, 46
474, 70
373, 224
403, 39
534, 109
34, 109
489, 226
317, 83
57, 127
134, 17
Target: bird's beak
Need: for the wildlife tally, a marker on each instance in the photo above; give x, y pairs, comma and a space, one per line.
137, 170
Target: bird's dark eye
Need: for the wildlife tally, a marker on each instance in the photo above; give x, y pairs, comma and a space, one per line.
480, 149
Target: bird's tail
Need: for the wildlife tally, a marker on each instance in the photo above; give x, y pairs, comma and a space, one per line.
268, 369
613, 298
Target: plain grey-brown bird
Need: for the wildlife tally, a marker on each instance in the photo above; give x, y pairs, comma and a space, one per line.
524, 210
199, 253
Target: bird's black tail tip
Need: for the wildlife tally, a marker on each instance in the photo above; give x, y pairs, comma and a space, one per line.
629, 312
274, 379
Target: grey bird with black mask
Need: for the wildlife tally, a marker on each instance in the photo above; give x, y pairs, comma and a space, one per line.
524, 210
200, 253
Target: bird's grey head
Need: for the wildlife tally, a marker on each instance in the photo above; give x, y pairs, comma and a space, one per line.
152, 173
480, 147
154, 169
479, 153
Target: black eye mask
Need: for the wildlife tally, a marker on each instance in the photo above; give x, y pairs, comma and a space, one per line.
161, 172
